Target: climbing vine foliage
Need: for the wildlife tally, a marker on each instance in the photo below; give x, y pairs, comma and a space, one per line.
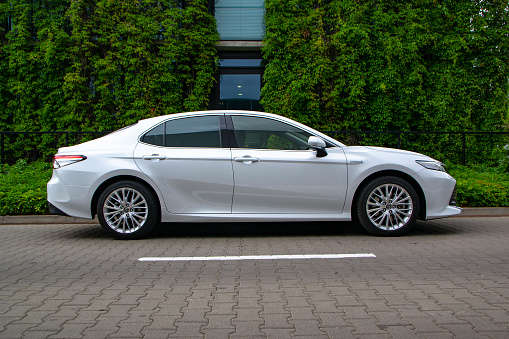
388, 65
99, 65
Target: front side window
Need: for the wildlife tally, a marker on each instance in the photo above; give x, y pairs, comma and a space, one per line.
186, 132
262, 133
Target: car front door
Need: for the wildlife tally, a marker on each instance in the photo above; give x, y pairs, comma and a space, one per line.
185, 159
275, 172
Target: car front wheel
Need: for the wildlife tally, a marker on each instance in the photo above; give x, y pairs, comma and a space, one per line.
387, 206
127, 210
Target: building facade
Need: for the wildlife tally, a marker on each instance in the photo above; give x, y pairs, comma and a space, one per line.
239, 78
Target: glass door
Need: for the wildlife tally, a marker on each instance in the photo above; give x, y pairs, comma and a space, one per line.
238, 82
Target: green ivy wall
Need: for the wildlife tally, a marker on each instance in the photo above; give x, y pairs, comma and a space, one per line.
334, 64
388, 65
97, 65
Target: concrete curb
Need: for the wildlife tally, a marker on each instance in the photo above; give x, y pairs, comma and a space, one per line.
43, 220
484, 212
58, 219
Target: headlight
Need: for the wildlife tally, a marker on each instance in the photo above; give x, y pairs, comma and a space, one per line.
432, 165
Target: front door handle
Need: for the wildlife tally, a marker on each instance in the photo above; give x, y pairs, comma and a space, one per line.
246, 159
154, 157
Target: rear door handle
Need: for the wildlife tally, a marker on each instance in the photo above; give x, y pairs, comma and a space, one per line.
246, 159
154, 157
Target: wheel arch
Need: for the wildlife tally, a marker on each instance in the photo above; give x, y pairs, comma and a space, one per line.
102, 187
394, 173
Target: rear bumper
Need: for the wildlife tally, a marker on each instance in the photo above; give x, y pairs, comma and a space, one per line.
54, 210
68, 200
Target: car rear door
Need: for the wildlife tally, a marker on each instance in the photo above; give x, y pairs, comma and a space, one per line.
185, 159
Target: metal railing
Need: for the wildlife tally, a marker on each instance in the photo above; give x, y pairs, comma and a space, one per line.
458, 147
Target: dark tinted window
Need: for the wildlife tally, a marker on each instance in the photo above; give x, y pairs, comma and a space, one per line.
261, 133
186, 132
155, 136
193, 132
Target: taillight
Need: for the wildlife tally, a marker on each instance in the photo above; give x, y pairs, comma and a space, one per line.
64, 160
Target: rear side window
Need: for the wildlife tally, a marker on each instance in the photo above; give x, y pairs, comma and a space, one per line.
155, 136
186, 132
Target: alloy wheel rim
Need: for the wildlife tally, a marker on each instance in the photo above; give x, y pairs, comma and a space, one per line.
125, 210
389, 207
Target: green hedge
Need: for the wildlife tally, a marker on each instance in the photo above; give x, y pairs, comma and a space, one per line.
24, 187
481, 186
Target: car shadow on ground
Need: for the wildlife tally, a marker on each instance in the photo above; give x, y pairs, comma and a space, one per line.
253, 229
266, 229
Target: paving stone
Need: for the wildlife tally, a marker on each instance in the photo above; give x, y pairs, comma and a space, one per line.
38, 334
273, 308
187, 329
247, 328
246, 314
215, 333
219, 321
308, 328
278, 333
331, 319
279, 321
301, 313
72, 330
364, 326
461, 330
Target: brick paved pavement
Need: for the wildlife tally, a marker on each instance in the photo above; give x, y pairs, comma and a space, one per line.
447, 279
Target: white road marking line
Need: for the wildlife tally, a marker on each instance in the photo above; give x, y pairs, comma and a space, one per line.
262, 257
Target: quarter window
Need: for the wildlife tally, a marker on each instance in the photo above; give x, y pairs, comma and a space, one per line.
261, 133
187, 132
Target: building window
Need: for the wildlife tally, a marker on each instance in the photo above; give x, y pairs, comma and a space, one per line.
240, 19
238, 82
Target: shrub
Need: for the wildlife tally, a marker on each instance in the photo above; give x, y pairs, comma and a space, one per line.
24, 188
481, 186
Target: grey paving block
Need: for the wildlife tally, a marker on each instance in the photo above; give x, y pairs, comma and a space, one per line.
309, 328
247, 328
276, 321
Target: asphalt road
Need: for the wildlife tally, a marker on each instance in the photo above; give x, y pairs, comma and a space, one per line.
446, 279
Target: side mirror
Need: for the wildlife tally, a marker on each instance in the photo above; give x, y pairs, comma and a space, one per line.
317, 144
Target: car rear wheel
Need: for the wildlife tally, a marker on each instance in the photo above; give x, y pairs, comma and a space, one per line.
387, 206
127, 210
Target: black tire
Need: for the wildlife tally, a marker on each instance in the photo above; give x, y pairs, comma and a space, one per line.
127, 210
379, 214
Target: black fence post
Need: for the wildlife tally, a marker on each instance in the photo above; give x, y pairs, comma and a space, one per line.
399, 139
2, 148
66, 139
463, 155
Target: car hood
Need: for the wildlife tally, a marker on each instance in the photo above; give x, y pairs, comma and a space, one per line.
383, 154
396, 151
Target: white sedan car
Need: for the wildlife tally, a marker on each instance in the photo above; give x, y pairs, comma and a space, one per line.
231, 166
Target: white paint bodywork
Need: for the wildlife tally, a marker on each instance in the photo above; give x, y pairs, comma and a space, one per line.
217, 185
